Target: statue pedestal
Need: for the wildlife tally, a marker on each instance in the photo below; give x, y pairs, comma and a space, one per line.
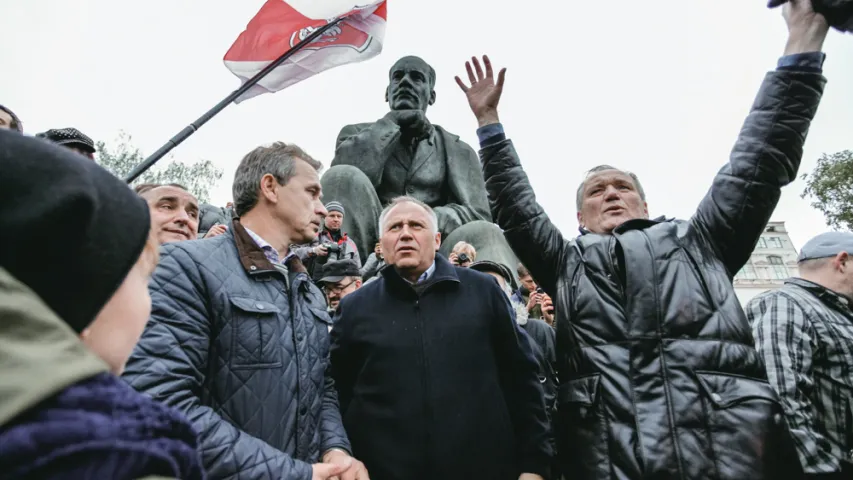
489, 241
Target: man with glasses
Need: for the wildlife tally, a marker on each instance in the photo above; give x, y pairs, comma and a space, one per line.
340, 278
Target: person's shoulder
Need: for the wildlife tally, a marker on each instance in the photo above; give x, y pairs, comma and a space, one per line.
365, 299
539, 325
199, 250
451, 138
354, 128
477, 279
372, 289
786, 293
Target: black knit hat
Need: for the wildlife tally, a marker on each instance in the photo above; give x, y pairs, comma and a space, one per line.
69, 230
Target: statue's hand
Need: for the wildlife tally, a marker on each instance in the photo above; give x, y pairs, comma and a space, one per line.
483, 94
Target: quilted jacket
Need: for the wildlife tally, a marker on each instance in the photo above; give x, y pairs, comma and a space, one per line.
659, 377
241, 346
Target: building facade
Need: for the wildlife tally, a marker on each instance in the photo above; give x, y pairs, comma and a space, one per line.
773, 260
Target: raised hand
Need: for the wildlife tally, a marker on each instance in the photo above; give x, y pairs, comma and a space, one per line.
483, 93
806, 29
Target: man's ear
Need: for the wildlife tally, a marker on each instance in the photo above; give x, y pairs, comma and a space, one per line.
432, 97
268, 188
580, 219
357, 283
437, 240
646, 210
841, 261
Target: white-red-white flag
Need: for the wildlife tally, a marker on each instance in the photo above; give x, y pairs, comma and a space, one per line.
279, 25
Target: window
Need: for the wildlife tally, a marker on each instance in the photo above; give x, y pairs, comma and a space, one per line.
780, 272
771, 229
748, 272
761, 243
774, 242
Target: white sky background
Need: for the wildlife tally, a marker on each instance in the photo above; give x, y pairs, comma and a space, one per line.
660, 88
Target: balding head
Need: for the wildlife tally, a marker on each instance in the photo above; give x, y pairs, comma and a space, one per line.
411, 84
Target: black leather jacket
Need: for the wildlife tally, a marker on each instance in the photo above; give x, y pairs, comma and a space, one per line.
659, 377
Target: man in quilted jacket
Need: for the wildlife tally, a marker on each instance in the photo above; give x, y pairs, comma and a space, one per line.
659, 376
239, 335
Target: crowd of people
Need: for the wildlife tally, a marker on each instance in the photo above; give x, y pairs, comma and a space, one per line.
273, 338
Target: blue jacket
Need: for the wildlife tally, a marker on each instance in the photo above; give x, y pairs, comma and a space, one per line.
240, 346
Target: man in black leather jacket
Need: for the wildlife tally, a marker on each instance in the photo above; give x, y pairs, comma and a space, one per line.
658, 374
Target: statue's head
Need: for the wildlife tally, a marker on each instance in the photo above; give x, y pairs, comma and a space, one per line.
411, 83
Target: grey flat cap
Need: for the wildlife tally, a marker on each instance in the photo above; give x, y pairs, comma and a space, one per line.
827, 244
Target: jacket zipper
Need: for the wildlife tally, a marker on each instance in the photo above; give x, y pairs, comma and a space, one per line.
679, 456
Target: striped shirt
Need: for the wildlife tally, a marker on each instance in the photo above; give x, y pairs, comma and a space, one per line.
804, 332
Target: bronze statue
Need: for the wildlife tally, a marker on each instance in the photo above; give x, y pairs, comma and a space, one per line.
403, 153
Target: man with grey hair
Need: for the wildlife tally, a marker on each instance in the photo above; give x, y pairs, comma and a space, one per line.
659, 376
239, 335
804, 332
436, 379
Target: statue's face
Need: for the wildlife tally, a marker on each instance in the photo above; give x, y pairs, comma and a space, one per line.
409, 87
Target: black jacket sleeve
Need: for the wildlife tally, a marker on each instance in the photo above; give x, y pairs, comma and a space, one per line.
765, 158
524, 394
538, 243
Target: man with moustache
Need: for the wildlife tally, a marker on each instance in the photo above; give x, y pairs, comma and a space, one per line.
239, 335
403, 153
436, 379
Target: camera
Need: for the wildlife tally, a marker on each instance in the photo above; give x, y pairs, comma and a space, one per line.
332, 247
539, 290
463, 258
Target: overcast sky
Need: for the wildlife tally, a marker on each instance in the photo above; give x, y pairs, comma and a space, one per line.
660, 88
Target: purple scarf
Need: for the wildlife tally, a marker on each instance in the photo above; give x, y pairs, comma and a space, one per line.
97, 429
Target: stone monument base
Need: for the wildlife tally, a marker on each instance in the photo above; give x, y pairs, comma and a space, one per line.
489, 241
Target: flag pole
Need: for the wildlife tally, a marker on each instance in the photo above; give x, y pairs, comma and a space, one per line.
193, 127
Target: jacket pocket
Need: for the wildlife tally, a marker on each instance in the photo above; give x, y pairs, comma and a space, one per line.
323, 326
581, 428
746, 428
255, 334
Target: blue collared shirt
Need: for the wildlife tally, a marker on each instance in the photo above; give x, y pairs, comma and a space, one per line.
424, 276
271, 253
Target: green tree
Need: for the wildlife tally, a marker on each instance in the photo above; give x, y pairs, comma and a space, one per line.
198, 177
830, 186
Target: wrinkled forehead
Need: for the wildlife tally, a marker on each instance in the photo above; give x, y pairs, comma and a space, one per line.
168, 192
407, 212
606, 177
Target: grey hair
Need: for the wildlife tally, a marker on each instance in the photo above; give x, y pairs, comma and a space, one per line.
601, 168
407, 199
277, 160
462, 244
814, 264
